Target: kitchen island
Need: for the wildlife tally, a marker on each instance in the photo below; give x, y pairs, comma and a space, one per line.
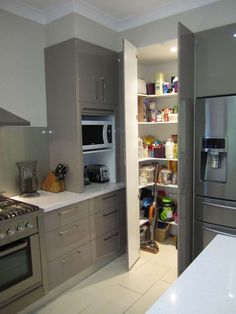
207, 286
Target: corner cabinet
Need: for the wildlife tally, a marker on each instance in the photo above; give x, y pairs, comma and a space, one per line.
80, 78
185, 148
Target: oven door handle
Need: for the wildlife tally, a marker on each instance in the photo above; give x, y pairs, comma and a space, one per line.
219, 232
13, 249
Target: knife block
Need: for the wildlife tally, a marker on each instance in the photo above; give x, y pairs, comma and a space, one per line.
51, 184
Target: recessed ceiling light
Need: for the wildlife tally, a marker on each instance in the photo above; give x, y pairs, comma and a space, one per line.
234, 35
173, 49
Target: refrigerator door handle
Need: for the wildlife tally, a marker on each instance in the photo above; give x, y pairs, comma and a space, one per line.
218, 232
218, 205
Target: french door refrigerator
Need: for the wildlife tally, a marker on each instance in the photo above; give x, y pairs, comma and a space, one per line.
215, 169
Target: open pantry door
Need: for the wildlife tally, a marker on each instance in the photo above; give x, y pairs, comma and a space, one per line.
186, 125
131, 151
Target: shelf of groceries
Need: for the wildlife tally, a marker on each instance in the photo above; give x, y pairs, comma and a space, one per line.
158, 96
158, 122
173, 186
156, 159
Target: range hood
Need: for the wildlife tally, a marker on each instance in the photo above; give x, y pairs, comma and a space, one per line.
10, 119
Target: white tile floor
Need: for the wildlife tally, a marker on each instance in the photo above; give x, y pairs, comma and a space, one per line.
115, 290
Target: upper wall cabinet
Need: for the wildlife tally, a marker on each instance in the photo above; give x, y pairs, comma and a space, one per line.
98, 75
215, 61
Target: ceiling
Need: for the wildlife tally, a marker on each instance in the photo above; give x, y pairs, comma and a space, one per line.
118, 15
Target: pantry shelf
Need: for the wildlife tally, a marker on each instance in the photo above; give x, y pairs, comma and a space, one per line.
159, 96
173, 186
157, 159
158, 123
143, 221
168, 222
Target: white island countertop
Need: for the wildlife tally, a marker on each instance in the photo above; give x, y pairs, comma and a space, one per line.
50, 201
207, 286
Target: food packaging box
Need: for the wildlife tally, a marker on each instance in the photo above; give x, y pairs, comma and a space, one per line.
150, 88
141, 87
161, 234
140, 109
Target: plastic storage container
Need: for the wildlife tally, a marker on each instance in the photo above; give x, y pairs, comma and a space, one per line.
146, 174
169, 148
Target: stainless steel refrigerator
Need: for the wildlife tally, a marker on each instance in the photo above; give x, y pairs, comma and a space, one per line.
215, 169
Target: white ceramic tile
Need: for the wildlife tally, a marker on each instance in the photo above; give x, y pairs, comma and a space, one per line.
145, 301
114, 299
171, 275
114, 289
142, 278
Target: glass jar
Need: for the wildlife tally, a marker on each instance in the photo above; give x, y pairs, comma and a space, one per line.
27, 180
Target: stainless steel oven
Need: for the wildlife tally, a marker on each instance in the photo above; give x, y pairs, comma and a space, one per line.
20, 253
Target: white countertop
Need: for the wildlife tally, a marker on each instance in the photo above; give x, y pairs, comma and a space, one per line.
207, 286
49, 201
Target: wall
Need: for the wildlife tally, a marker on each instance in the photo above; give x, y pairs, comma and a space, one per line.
22, 83
75, 25
148, 72
206, 17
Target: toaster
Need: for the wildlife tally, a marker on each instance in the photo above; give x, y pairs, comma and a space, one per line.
98, 173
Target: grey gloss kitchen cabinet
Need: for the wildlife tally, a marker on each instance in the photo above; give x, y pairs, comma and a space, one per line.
84, 237
80, 78
98, 75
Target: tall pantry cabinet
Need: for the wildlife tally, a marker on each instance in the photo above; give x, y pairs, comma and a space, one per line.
185, 147
81, 78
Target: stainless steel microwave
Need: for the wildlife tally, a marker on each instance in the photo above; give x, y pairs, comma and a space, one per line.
96, 135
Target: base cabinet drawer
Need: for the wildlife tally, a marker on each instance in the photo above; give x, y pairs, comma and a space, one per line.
65, 239
105, 245
65, 215
104, 221
68, 265
106, 201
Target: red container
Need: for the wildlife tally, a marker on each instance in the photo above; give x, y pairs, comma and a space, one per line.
150, 88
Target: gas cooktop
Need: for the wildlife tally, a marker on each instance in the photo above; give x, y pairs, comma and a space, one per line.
10, 208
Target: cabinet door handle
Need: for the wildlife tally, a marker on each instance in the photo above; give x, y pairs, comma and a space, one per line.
112, 236
219, 232
62, 233
110, 213
102, 79
95, 78
69, 257
111, 196
66, 212
218, 205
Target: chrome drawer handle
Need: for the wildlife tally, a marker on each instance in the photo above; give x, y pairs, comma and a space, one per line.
108, 214
111, 196
69, 257
112, 236
218, 205
66, 212
61, 233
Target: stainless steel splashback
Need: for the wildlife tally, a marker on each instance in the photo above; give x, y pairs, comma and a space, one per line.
19, 144
215, 147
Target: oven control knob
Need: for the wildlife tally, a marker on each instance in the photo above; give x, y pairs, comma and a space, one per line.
29, 225
2, 236
20, 228
11, 232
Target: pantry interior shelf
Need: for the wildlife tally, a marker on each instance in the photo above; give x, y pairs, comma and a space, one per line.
155, 123
168, 222
173, 186
157, 159
143, 221
159, 96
